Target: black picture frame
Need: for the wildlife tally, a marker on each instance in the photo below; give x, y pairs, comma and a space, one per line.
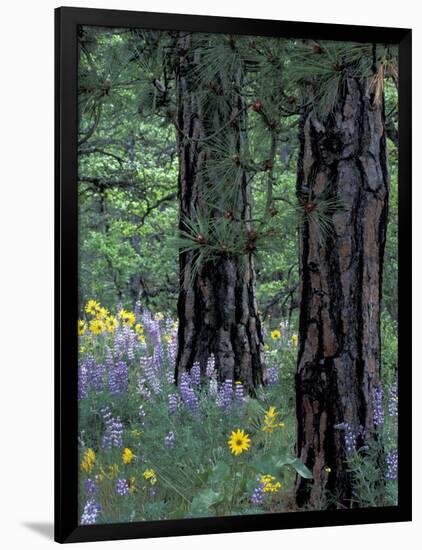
67, 20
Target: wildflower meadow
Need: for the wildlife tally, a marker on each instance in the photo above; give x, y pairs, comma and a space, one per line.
152, 450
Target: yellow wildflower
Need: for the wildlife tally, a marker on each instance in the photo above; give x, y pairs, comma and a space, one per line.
111, 324
82, 349
168, 338
81, 327
139, 329
96, 326
102, 313
270, 420
127, 456
268, 484
295, 339
88, 461
141, 339
127, 317
150, 475
275, 334
239, 442
92, 307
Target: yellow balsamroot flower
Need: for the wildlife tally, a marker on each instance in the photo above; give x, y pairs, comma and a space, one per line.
81, 327
295, 339
139, 329
127, 317
275, 334
111, 324
92, 306
270, 421
102, 313
88, 461
150, 475
97, 326
239, 442
141, 338
127, 456
268, 484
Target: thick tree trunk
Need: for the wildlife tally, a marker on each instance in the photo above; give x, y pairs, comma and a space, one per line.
343, 156
217, 307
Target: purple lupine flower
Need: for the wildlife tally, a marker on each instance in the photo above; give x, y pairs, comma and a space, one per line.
213, 387
210, 369
169, 375
150, 367
96, 377
90, 513
257, 498
393, 401
391, 461
170, 440
90, 376
272, 376
187, 393
377, 402
225, 395
119, 342
113, 434
90, 487
172, 352
195, 374
173, 401
152, 328
122, 487
239, 394
118, 378
351, 434
109, 362
137, 310
131, 346
82, 381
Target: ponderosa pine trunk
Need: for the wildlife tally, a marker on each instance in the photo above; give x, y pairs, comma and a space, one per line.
217, 308
342, 155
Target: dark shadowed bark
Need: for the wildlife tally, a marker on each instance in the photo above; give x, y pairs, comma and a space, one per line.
343, 156
217, 308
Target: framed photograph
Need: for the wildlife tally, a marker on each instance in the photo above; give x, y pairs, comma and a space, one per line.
233, 288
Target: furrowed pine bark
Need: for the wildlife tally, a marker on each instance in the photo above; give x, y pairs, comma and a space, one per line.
344, 156
217, 309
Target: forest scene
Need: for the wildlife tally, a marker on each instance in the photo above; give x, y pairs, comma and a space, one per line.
237, 275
